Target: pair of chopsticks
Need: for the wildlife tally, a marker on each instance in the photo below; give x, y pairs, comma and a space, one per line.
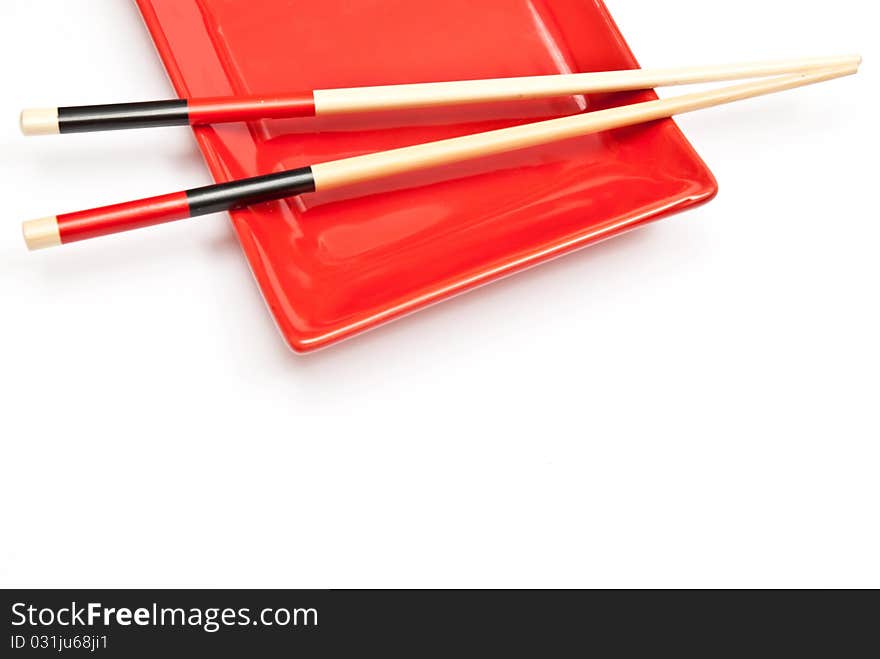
70, 227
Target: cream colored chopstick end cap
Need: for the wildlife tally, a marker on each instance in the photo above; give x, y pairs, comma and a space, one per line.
42, 233
40, 121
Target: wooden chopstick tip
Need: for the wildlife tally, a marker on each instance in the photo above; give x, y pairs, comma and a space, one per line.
848, 70
41, 233
854, 61
828, 73
39, 121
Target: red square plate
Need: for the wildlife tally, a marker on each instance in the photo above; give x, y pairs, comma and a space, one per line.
333, 265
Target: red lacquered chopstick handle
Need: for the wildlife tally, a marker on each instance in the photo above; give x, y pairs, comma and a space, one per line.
220, 110
122, 217
70, 227
151, 114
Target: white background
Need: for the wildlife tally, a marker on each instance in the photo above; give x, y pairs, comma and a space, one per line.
694, 404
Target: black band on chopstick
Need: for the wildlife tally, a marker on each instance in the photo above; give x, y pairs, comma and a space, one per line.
235, 194
88, 118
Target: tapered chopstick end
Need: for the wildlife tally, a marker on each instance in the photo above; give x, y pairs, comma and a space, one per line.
41, 233
40, 121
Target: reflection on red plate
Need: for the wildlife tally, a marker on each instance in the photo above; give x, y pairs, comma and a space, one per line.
332, 265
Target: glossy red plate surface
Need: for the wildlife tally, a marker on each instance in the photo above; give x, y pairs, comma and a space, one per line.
332, 265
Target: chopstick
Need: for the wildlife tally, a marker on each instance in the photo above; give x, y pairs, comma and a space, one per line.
328, 102
71, 227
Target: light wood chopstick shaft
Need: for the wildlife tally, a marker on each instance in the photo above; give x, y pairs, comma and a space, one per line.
373, 166
436, 94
